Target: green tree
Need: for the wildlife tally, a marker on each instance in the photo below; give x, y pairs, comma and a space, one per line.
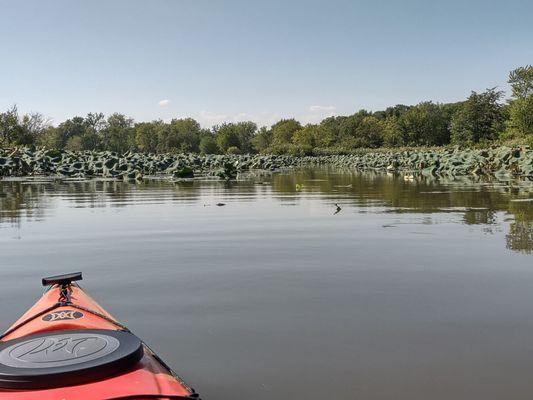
370, 132
49, 138
147, 135
23, 130
12, 131
262, 140
208, 144
392, 135
239, 135
392, 112
520, 122
282, 131
66, 130
90, 140
9, 126
74, 143
329, 133
246, 130
226, 136
183, 135
95, 122
118, 134
180, 135
348, 127
365, 131
306, 138
426, 124
33, 127
233, 150
77, 133
521, 80
480, 118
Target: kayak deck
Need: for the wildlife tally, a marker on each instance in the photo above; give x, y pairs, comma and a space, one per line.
149, 377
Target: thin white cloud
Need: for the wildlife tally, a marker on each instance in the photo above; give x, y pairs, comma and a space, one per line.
164, 103
322, 109
210, 118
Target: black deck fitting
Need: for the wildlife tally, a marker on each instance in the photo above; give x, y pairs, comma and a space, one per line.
64, 279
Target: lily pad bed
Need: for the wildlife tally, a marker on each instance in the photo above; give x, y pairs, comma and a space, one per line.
500, 161
23, 162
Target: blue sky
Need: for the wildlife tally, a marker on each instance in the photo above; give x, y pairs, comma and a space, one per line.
228, 60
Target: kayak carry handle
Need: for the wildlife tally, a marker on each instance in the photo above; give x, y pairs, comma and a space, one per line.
62, 280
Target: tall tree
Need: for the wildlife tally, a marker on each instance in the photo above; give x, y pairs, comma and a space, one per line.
208, 144
10, 127
521, 80
348, 127
426, 124
33, 126
118, 135
520, 123
147, 135
283, 130
370, 132
226, 136
329, 133
306, 138
235, 135
66, 130
262, 140
183, 135
480, 118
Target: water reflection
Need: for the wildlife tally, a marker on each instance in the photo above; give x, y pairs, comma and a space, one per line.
416, 289
478, 200
520, 236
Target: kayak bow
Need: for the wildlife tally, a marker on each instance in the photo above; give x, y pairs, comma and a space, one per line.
68, 347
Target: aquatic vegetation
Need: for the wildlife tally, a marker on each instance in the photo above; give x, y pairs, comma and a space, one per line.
450, 162
502, 162
105, 164
185, 172
228, 171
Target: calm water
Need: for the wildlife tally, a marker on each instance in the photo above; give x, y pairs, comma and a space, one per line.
414, 290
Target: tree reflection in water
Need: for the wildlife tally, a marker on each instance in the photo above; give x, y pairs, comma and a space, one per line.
479, 200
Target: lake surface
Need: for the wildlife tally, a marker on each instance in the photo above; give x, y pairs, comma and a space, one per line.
416, 289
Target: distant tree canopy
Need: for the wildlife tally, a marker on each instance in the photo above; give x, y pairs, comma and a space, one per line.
481, 118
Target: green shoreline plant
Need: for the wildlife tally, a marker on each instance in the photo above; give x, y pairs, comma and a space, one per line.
504, 162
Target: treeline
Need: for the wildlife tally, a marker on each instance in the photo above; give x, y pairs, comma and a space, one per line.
480, 119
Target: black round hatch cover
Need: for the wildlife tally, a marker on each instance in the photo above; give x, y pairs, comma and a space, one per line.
65, 358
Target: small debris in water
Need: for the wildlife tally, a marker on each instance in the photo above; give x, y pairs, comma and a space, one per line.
338, 209
220, 204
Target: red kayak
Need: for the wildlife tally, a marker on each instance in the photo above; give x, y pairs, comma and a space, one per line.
67, 347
